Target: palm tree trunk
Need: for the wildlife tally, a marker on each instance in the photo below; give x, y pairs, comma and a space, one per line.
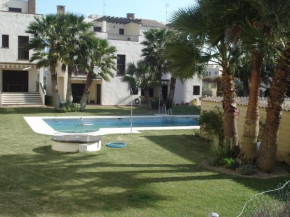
278, 90
251, 126
69, 97
87, 91
229, 106
54, 89
147, 97
172, 89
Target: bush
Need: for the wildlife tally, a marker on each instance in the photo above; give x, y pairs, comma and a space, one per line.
212, 125
155, 104
71, 108
247, 169
214, 161
48, 100
227, 162
168, 103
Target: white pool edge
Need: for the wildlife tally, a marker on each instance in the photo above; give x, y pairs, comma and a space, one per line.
39, 126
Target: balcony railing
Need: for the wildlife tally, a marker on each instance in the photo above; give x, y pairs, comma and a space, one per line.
23, 53
134, 38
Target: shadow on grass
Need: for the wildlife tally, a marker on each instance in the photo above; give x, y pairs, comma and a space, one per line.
76, 184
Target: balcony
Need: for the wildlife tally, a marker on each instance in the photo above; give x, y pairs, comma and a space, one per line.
134, 38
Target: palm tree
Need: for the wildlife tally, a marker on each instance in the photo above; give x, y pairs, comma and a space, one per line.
154, 53
280, 83
47, 42
141, 76
76, 27
98, 60
207, 30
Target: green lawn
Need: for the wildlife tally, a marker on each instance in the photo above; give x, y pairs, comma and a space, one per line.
156, 174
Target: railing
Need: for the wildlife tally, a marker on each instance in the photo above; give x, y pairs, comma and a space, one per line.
134, 38
169, 111
42, 92
23, 54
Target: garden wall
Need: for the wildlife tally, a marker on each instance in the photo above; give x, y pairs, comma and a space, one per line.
283, 151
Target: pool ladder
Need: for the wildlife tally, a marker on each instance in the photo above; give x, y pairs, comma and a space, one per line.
80, 123
169, 112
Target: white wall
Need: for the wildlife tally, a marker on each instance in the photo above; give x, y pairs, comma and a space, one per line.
184, 91
14, 25
5, 4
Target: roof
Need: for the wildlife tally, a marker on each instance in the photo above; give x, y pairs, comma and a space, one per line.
119, 20
243, 101
152, 23
123, 20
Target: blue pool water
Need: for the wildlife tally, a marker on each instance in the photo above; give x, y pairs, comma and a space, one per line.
94, 124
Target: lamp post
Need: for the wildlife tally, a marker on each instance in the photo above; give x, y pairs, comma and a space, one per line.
131, 93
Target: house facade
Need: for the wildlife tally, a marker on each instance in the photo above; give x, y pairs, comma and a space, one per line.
20, 80
126, 34
211, 80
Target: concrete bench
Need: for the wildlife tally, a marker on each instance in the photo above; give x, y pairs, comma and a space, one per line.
76, 143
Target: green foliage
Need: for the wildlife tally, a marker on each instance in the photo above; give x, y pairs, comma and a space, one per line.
247, 169
214, 161
206, 91
227, 162
217, 150
48, 100
168, 103
155, 104
211, 123
71, 108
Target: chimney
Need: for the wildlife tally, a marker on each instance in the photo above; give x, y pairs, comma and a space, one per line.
31, 6
130, 16
60, 9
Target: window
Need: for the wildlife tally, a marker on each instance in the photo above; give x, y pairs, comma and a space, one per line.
97, 29
121, 64
23, 52
5, 41
121, 31
15, 9
196, 90
135, 91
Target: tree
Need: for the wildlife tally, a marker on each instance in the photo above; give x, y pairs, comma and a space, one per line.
76, 26
141, 76
154, 54
47, 42
280, 83
98, 61
207, 30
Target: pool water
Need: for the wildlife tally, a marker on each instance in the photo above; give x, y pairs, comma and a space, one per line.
73, 125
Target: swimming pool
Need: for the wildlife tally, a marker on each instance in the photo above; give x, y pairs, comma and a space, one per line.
103, 125
87, 125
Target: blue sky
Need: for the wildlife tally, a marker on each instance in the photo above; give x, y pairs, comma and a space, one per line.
150, 9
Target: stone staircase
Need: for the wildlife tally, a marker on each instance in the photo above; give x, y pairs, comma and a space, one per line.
30, 98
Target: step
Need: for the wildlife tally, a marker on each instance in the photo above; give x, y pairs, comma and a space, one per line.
15, 98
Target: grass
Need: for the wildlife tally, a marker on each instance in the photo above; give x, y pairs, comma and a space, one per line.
156, 174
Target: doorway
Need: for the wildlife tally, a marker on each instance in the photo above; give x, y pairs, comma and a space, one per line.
15, 81
99, 94
164, 91
77, 92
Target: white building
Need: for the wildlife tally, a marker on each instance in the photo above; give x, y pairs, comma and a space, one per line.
211, 78
20, 81
125, 34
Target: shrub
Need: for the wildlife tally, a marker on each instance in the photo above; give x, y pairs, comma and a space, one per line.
227, 162
247, 169
212, 125
214, 161
48, 100
71, 108
155, 104
168, 103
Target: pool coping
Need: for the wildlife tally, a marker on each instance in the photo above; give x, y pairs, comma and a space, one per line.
39, 126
